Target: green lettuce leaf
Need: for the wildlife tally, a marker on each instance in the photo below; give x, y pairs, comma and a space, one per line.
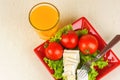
93, 73
81, 32
57, 66
101, 63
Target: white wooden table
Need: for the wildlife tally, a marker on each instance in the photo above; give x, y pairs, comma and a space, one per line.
18, 39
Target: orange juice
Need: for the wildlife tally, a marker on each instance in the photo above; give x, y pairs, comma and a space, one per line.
44, 17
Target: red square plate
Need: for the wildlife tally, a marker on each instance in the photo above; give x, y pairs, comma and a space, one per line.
80, 24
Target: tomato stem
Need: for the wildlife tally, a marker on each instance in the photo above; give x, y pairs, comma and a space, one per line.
45, 45
87, 51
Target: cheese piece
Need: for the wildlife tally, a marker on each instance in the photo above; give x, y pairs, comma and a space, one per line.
71, 54
71, 68
69, 76
68, 61
71, 59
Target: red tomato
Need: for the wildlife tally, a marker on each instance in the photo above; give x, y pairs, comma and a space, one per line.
54, 51
69, 40
88, 44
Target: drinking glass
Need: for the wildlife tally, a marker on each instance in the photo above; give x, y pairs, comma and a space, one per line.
44, 17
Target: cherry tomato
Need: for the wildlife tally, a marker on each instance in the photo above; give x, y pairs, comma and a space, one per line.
88, 44
54, 51
69, 40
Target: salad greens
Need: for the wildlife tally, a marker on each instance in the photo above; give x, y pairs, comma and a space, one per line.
57, 66
81, 32
101, 63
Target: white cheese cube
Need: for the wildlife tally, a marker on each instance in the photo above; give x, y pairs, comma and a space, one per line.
69, 76
70, 68
71, 54
71, 59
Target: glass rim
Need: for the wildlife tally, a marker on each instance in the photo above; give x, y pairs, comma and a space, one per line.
47, 4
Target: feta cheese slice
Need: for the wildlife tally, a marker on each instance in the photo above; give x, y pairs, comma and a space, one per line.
69, 77
71, 59
70, 68
71, 54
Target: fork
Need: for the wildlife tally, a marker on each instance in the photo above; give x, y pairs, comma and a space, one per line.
86, 67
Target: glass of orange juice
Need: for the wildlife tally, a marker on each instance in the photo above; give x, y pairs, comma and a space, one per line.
44, 17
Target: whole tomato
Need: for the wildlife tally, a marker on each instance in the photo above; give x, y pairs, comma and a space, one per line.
88, 44
54, 51
69, 40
